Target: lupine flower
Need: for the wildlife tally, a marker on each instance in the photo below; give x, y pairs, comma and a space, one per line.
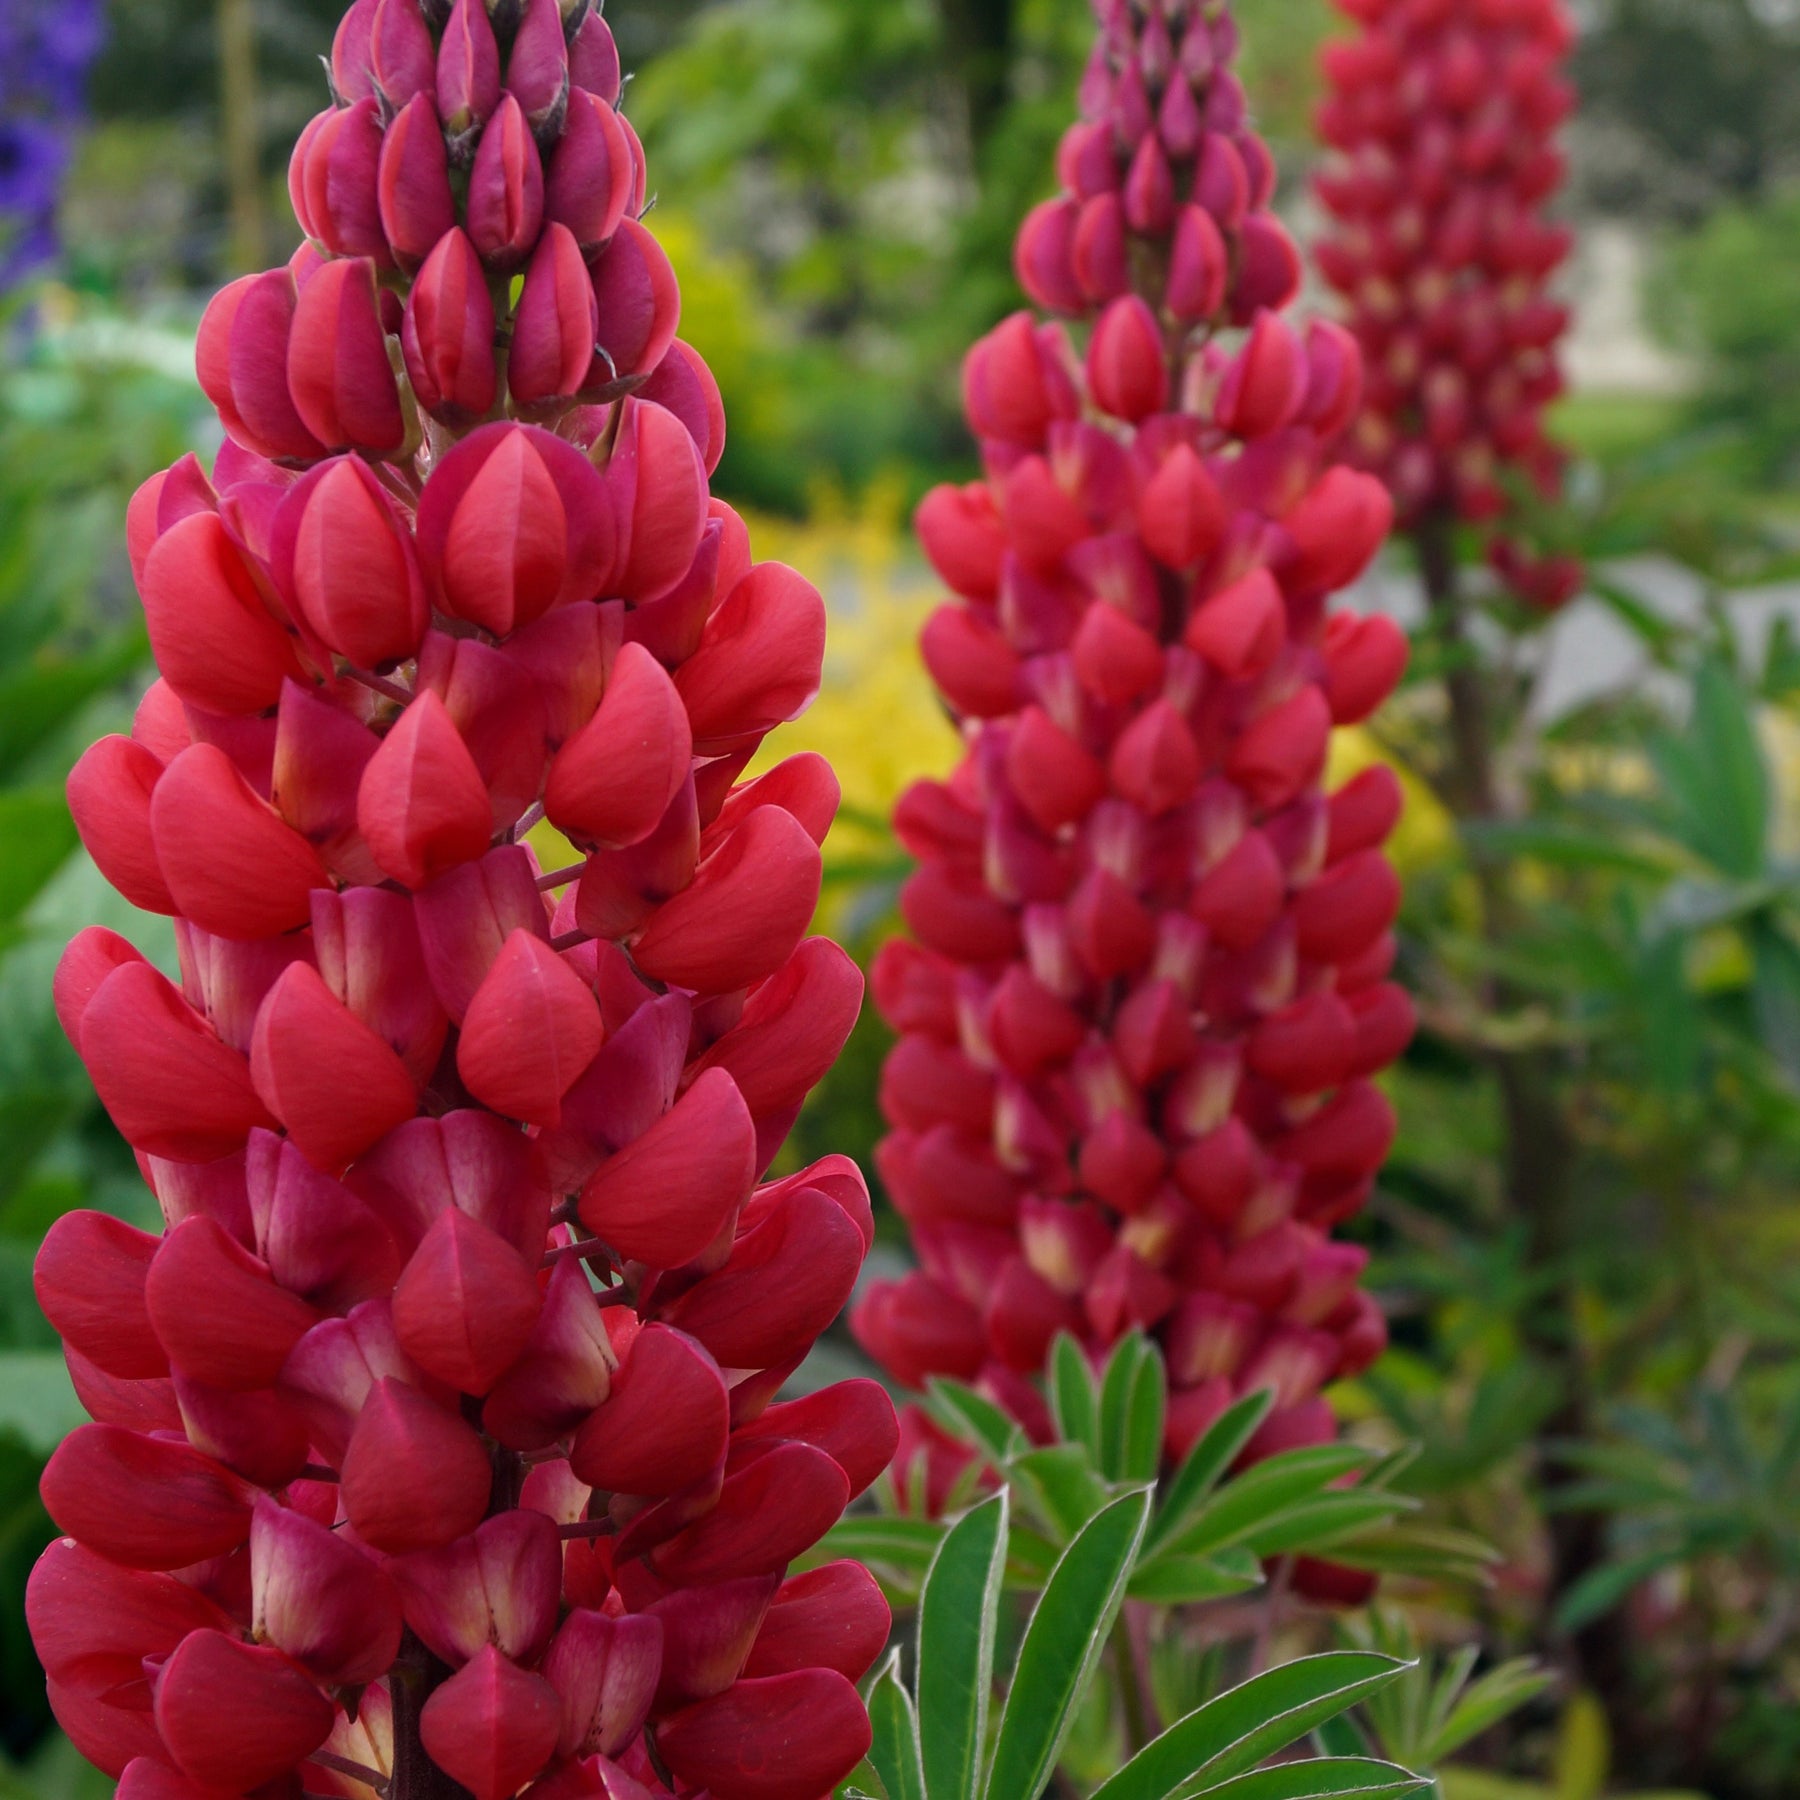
1442, 120
1146, 987
46, 48
436, 1438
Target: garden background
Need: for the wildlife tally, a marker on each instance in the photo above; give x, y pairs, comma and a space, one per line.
1585, 1240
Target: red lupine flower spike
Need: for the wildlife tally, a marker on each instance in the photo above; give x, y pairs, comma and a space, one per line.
396, 1057
1442, 253
1130, 1088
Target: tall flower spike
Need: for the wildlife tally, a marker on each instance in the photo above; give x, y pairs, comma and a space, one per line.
1145, 989
447, 1389
1441, 122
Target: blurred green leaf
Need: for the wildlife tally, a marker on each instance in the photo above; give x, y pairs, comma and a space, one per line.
37, 1399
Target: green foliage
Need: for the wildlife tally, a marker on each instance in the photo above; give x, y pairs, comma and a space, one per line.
932, 1739
1208, 1531
1727, 295
76, 432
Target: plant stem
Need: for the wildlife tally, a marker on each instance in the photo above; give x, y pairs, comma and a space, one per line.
1539, 1146
238, 110
416, 1777
1140, 1718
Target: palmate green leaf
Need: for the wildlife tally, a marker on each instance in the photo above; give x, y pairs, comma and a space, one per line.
1428, 1552
1250, 1722
973, 1418
1063, 1642
894, 1749
1074, 1403
1486, 1702
1203, 1465
957, 1609
1237, 1511
1058, 1483
1601, 1589
1323, 1778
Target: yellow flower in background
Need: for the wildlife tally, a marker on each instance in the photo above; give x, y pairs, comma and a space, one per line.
1426, 834
876, 718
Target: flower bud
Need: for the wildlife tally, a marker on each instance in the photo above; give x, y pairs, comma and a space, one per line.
657, 489
468, 74
638, 302
334, 181
594, 59
337, 363
1098, 254
554, 326
1127, 371
537, 69
414, 183
241, 358
345, 560
587, 184
505, 209
684, 385
1044, 257
513, 522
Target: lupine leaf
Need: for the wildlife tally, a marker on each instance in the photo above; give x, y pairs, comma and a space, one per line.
1060, 1483
1063, 1642
1323, 1778
1116, 1387
894, 1724
1146, 1406
1238, 1729
973, 1417
1486, 1702
956, 1649
1323, 1520
1184, 1580
1073, 1401
1236, 1512
1203, 1465
905, 1544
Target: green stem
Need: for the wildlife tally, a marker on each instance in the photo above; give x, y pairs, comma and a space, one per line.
1140, 1715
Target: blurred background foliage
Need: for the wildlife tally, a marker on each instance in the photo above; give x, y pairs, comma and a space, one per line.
1595, 1289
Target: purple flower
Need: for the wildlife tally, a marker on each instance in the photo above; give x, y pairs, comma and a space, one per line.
46, 47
